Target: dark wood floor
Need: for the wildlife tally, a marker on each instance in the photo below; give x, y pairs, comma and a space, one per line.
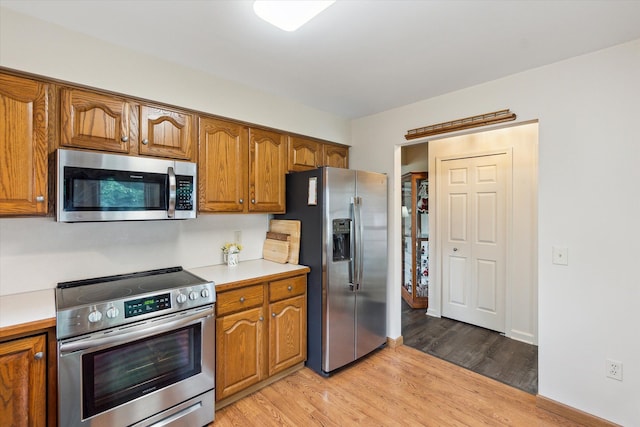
483, 351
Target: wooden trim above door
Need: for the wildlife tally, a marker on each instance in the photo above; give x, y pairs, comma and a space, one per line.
461, 124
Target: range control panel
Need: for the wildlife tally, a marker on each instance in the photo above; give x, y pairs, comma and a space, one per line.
140, 306
93, 317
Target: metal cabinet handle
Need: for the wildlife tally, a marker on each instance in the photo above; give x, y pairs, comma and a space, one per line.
273, 315
261, 318
39, 199
253, 201
241, 201
289, 288
124, 138
145, 141
39, 355
241, 299
455, 249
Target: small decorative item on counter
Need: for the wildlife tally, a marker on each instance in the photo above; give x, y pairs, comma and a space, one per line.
231, 253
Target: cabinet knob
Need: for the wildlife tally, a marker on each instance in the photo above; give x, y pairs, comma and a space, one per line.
241, 201
273, 315
145, 141
39, 355
289, 288
241, 299
39, 199
455, 249
261, 318
124, 138
253, 201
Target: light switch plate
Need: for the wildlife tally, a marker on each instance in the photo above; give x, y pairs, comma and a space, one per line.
560, 256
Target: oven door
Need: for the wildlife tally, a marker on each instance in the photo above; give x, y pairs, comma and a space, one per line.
150, 370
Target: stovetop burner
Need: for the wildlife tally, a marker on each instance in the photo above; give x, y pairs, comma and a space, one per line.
103, 289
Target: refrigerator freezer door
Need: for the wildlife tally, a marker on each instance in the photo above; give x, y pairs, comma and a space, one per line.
371, 297
338, 335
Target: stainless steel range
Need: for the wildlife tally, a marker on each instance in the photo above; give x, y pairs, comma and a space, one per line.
136, 350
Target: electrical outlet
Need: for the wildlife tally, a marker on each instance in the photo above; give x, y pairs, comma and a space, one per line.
614, 369
237, 237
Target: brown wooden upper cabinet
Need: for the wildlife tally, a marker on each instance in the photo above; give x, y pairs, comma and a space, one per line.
222, 166
110, 123
94, 121
305, 154
336, 156
166, 133
24, 139
267, 168
240, 169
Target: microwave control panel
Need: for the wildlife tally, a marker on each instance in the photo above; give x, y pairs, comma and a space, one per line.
184, 193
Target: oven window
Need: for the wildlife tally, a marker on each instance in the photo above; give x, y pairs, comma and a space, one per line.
119, 374
107, 190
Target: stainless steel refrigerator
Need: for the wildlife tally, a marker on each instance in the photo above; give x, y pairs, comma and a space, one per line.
343, 238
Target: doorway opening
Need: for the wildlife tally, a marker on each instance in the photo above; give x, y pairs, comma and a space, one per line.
508, 203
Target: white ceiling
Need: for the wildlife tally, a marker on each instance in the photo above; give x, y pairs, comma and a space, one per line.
359, 56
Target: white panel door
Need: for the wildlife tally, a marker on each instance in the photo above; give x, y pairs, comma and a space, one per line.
473, 205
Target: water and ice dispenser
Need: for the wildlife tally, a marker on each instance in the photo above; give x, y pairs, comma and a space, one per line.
342, 239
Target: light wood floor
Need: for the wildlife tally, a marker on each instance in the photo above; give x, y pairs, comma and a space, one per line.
391, 387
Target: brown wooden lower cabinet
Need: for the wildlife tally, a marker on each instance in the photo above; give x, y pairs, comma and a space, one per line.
261, 333
23, 381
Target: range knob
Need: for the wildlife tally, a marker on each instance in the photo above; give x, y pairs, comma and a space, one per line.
112, 313
95, 316
204, 293
193, 295
181, 298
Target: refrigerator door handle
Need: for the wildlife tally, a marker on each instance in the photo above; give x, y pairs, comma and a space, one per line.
352, 243
358, 250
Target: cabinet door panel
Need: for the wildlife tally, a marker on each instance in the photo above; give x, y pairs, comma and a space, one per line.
166, 133
287, 333
94, 121
304, 154
267, 168
222, 166
239, 351
23, 146
23, 382
335, 156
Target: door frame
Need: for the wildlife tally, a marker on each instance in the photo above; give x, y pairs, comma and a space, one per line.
522, 242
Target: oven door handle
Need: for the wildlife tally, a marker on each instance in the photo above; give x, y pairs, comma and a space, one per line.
124, 337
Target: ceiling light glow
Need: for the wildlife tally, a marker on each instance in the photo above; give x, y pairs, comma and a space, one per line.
289, 15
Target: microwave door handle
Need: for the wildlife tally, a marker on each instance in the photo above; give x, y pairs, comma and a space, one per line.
172, 193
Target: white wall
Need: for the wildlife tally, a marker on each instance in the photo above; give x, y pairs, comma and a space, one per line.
588, 114
37, 253
42, 48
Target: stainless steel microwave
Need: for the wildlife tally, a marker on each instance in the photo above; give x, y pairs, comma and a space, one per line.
94, 186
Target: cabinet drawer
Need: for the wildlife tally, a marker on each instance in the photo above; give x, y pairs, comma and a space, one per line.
239, 299
286, 288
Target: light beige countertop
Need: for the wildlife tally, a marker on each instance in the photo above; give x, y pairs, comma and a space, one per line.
246, 271
37, 308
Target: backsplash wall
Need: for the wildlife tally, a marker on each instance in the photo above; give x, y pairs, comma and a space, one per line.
37, 253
